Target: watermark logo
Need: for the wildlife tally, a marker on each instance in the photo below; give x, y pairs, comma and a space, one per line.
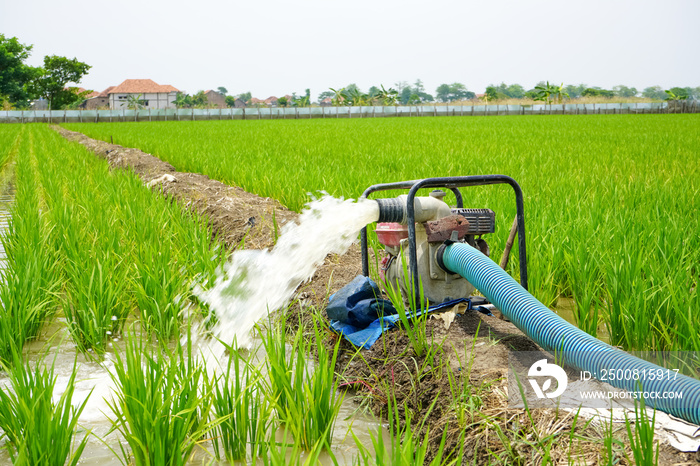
552, 371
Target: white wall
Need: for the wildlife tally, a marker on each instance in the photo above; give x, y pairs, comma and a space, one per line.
155, 100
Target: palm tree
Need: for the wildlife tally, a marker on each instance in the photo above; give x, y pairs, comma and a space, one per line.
339, 97
134, 102
387, 97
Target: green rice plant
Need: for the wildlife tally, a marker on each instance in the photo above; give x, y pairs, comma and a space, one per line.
40, 430
28, 283
641, 437
467, 398
596, 194
407, 446
611, 445
94, 304
158, 293
245, 411
414, 320
162, 405
306, 398
288, 452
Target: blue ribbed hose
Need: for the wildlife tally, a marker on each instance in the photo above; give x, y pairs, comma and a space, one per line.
578, 349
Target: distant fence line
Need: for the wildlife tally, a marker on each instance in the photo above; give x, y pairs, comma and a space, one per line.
188, 114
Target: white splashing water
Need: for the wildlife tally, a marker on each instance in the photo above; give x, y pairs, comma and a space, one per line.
258, 281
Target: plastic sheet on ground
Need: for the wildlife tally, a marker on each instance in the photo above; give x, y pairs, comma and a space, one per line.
367, 336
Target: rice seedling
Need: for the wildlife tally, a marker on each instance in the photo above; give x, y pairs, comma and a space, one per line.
414, 319
40, 430
162, 404
641, 437
633, 208
244, 410
306, 398
406, 446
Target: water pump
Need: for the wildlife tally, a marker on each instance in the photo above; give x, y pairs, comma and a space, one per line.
412, 229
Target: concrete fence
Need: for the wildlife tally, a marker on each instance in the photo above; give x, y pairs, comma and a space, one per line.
188, 114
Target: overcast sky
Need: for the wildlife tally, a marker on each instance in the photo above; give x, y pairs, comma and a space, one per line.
276, 47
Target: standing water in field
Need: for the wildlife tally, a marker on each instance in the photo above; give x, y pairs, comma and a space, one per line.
257, 282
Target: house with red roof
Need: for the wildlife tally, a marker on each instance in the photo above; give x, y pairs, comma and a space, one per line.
149, 94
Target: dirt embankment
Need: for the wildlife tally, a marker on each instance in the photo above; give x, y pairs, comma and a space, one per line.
493, 432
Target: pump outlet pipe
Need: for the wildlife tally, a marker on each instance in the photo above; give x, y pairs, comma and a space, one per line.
578, 349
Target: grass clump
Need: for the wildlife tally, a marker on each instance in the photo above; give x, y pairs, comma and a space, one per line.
162, 405
39, 430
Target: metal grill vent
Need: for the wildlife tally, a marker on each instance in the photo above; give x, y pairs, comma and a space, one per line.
481, 221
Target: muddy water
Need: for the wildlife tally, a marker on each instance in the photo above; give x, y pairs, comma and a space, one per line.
94, 380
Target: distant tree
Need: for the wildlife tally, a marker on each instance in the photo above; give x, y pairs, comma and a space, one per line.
183, 100
387, 97
53, 77
452, 92
134, 102
325, 95
282, 101
654, 92
515, 91
575, 91
222, 90
681, 92
400, 86
491, 93
676, 93
245, 97
199, 100
551, 93
302, 101
373, 91
15, 75
230, 101
338, 97
624, 91
405, 95
597, 92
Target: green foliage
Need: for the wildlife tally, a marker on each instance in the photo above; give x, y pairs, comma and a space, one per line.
53, 78
407, 447
245, 97
624, 91
244, 410
549, 93
306, 399
222, 90
40, 430
654, 92
230, 101
162, 403
135, 102
640, 433
676, 93
198, 100
452, 92
597, 92
15, 74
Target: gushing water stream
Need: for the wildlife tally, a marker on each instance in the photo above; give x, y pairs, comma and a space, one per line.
257, 282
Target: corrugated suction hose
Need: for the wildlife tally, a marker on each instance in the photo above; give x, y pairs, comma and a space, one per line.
578, 349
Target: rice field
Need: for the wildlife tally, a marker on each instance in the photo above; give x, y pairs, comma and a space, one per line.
101, 271
612, 202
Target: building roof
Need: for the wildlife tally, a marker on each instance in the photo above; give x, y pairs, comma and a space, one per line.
141, 86
105, 93
255, 100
